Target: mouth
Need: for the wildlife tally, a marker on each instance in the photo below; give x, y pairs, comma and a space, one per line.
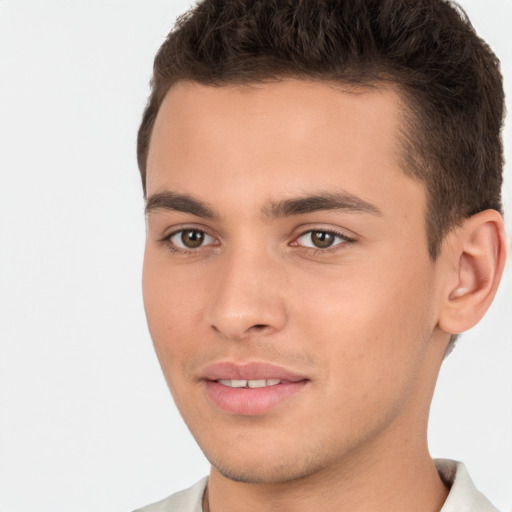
253, 384
250, 389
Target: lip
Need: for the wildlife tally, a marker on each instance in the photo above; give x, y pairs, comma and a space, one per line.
249, 371
250, 401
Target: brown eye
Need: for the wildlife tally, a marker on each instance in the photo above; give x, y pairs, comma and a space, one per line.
319, 239
322, 239
191, 239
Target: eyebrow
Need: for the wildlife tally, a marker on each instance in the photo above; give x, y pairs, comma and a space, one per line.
179, 203
286, 208
321, 202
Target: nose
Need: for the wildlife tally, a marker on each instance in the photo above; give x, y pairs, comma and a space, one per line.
249, 297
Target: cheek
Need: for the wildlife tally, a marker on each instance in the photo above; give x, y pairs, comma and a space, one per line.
370, 328
371, 361
172, 311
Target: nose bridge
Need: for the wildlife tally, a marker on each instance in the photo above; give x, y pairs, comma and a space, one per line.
248, 297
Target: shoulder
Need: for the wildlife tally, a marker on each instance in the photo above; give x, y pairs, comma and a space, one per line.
463, 495
189, 500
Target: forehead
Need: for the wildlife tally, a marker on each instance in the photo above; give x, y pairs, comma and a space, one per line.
256, 141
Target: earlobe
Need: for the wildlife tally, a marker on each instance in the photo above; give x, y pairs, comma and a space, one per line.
477, 251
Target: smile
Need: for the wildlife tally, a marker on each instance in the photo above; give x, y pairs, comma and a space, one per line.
250, 388
255, 383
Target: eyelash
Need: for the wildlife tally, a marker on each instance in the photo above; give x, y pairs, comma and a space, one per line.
167, 240
343, 240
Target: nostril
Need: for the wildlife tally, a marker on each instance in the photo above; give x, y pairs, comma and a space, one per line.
256, 328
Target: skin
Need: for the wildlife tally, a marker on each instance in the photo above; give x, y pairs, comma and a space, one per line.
361, 320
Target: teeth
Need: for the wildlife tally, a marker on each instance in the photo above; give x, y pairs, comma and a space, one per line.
255, 383
238, 383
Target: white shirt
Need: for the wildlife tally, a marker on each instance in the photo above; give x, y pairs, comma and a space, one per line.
463, 495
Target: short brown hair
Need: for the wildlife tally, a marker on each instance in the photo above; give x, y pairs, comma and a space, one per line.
449, 79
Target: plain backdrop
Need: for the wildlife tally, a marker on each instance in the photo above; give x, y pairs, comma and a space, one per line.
86, 421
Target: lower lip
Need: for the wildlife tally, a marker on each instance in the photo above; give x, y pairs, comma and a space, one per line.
251, 401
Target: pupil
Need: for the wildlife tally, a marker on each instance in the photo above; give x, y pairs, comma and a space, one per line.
322, 239
192, 238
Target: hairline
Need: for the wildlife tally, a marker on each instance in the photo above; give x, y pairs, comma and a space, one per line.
410, 161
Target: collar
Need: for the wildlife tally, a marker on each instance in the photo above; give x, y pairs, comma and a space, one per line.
463, 495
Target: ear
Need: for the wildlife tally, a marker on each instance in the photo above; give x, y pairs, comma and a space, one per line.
475, 255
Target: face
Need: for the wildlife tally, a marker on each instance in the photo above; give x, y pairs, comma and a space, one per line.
287, 283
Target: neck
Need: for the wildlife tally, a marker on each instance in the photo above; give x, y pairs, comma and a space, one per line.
400, 483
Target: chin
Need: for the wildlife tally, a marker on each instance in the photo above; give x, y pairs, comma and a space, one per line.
263, 470
258, 475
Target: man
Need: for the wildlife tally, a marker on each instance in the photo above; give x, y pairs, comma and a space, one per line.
322, 186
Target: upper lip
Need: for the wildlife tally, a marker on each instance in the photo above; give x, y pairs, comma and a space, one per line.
227, 370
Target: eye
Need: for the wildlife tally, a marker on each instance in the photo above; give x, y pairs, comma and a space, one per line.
190, 239
319, 239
